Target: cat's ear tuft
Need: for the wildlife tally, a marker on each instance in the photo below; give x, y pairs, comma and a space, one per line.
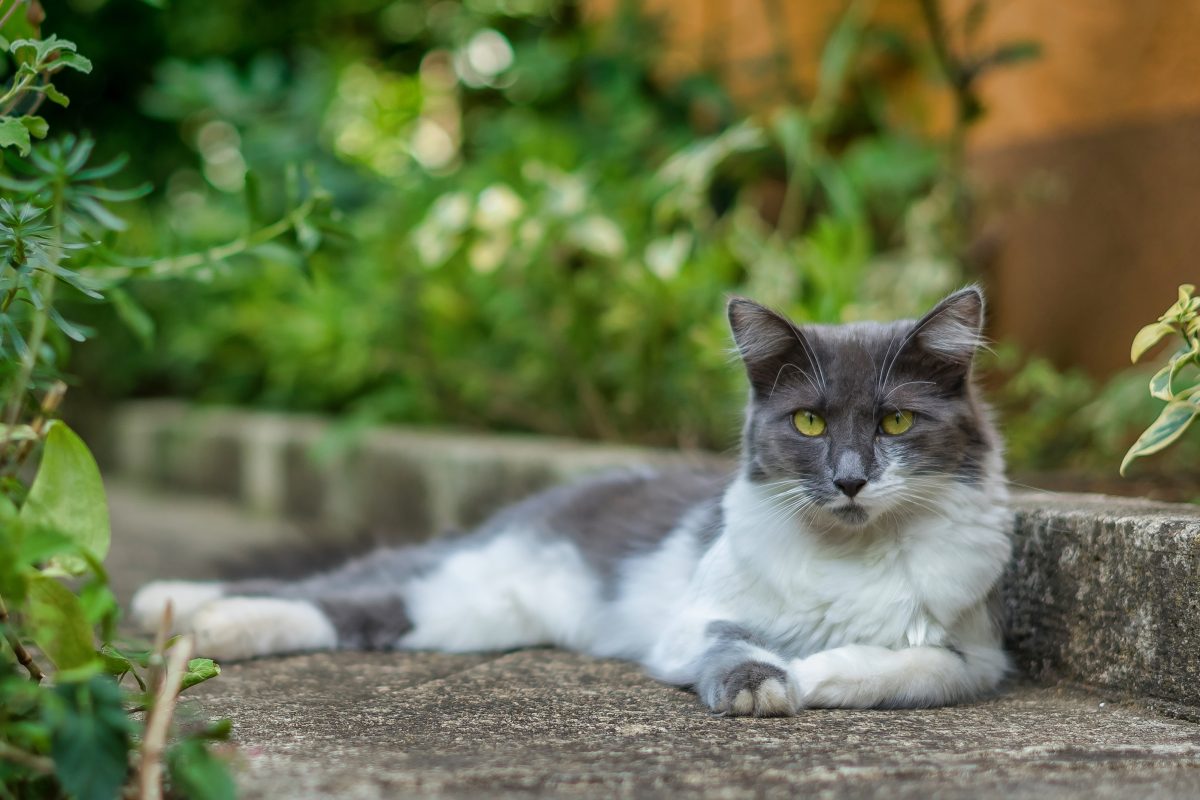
953, 330
765, 339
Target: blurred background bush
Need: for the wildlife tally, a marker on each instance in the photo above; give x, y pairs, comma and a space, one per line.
544, 203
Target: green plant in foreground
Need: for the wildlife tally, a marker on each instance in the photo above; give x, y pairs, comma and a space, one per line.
83, 714
1182, 321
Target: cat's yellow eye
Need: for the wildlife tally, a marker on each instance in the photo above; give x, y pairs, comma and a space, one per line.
808, 423
896, 423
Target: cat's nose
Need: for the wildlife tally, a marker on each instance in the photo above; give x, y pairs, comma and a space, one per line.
850, 486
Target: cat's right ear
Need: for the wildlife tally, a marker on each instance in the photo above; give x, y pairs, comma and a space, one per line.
766, 341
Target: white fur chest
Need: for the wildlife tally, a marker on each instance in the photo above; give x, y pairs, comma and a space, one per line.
895, 585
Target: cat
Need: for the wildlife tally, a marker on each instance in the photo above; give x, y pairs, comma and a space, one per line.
851, 560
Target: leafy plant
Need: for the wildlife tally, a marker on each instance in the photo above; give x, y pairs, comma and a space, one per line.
547, 246
1181, 323
70, 688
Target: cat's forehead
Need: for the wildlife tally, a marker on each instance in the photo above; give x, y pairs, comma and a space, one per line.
854, 340
856, 356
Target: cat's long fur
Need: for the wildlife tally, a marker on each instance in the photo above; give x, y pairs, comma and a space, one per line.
851, 569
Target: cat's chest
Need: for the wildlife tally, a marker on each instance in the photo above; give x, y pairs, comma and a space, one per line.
813, 603
903, 589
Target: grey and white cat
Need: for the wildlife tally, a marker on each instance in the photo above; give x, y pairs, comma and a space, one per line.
849, 561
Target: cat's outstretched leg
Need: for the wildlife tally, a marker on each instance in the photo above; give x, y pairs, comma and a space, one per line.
247, 619
235, 620
356, 606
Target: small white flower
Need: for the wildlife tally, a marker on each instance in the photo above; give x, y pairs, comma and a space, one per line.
598, 235
498, 207
665, 255
488, 252
450, 212
531, 232
433, 246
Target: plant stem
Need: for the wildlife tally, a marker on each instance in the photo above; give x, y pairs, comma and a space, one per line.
166, 267
50, 403
40, 318
952, 67
26, 660
158, 723
14, 755
10, 98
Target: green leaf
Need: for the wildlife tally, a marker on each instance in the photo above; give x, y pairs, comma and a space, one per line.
1169, 426
196, 773
102, 215
839, 53
134, 316
40, 545
90, 739
115, 662
45, 47
74, 61
36, 126
68, 496
1147, 337
103, 170
59, 625
55, 96
14, 134
1160, 384
198, 671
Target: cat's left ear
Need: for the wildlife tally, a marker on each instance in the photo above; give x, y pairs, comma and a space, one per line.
953, 330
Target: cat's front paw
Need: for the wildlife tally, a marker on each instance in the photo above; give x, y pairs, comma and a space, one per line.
754, 689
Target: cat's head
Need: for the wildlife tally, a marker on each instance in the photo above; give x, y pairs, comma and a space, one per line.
848, 423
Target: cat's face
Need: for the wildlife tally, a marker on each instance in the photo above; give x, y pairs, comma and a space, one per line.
849, 423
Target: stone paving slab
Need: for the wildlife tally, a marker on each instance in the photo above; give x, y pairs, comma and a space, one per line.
549, 723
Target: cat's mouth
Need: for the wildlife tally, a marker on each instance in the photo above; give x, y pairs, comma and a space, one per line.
851, 513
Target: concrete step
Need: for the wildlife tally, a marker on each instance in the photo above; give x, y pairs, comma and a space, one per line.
549, 723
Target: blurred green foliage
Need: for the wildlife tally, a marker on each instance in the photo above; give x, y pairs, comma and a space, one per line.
541, 231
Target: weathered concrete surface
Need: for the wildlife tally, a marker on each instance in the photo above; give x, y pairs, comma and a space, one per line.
1106, 591
545, 722
548, 723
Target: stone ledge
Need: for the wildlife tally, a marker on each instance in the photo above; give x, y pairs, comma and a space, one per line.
1106, 591
1102, 591
411, 483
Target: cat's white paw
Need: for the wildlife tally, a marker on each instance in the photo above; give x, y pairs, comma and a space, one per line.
185, 597
245, 627
755, 689
770, 699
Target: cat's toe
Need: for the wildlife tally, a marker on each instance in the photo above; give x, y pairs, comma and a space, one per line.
185, 597
237, 628
756, 689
